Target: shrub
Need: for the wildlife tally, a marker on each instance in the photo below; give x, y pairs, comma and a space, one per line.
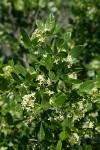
47, 106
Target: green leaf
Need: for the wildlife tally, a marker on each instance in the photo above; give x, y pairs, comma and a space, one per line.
48, 49
19, 5
32, 58
67, 124
28, 78
87, 86
62, 54
75, 81
59, 145
87, 147
66, 36
48, 63
50, 23
26, 38
57, 28
18, 68
40, 25
16, 78
59, 42
45, 105
63, 135
51, 75
9, 118
3, 83
76, 51
41, 133
59, 99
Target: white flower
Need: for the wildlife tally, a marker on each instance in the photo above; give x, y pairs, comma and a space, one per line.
88, 125
74, 139
80, 105
10, 144
36, 52
48, 82
38, 88
72, 76
45, 55
56, 61
10, 95
50, 92
23, 85
28, 102
51, 101
41, 79
41, 39
7, 70
3, 148
95, 64
91, 125
76, 136
94, 114
69, 59
94, 89
61, 117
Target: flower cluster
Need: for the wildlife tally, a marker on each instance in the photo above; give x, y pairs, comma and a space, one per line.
72, 75
7, 71
39, 35
70, 60
74, 139
28, 102
88, 124
41, 80
78, 111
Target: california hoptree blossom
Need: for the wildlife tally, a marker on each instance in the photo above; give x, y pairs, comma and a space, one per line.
72, 75
41, 79
74, 139
70, 59
88, 124
38, 34
56, 61
48, 81
50, 92
7, 70
28, 102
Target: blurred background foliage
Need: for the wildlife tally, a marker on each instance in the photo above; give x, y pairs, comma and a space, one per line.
85, 31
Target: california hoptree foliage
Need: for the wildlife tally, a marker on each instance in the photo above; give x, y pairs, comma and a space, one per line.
47, 106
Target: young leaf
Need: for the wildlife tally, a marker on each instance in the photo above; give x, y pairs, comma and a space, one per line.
50, 23
57, 28
63, 135
48, 63
40, 25
66, 36
59, 145
59, 99
26, 38
41, 134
